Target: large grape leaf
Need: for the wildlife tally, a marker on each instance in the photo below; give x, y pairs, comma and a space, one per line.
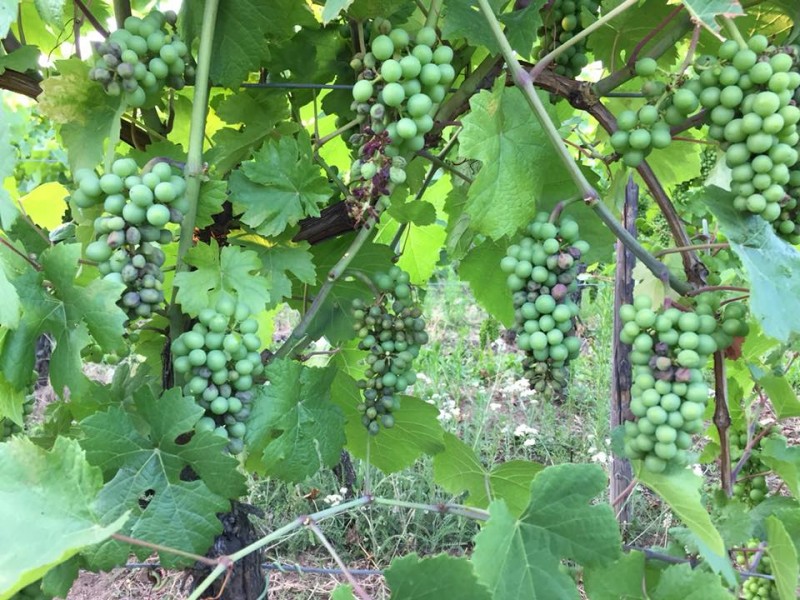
783, 559
719, 563
772, 265
458, 469
416, 429
10, 307
520, 558
442, 576
784, 460
463, 20
294, 429
8, 159
682, 581
48, 509
83, 111
481, 269
232, 270
333, 8
242, 31
252, 116
213, 194
707, 11
21, 59
781, 395
681, 490
54, 302
620, 580
502, 132
51, 11
279, 262
173, 486
280, 186
8, 15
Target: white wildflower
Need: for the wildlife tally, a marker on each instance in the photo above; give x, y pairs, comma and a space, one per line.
332, 499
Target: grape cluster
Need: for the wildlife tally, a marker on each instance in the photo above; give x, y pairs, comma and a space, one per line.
392, 330
137, 207
750, 486
563, 20
638, 133
669, 393
8, 427
400, 85
219, 359
756, 588
542, 269
748, 94
142, 58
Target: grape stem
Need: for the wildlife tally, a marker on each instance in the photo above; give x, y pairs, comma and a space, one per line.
733, 31
748, 451
716, 288
588, 193
541, 65
91, 18
333, 134
722, 421
312, 526
559, 208
436, 160
194, 170
18, 252
122, 10
693, 247
159, 548
162, 159
433, 13
690, 50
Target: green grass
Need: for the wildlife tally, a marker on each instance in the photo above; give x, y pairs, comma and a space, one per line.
475, 379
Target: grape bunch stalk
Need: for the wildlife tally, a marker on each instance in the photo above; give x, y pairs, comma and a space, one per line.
137, 207
756, 588
392, 330
542, 268
750, 486
142, 58
219, 361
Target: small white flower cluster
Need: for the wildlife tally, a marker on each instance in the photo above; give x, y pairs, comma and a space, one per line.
335, 499
527, 432
598, 456
449, 411
520, 388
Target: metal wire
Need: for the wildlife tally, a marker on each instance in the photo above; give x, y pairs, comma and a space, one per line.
283, 568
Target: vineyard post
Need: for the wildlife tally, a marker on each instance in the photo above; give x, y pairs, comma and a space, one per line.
621, 472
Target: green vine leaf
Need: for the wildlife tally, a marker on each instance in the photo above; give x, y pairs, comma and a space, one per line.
416, 429
784, 460
294, 429
83, 111
51, 12
707, 11
278, 262
232, 270
213, 194
21, 59
773, 266
333, 8
681, 490
171, 488
520, 558
783, 557
620, 580
481, 269
682, 581
502, 132
280, 186
48, 503
8, 15
458, 469
781, 395
411, 578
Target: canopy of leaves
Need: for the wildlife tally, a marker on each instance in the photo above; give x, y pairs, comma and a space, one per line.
49, 508
442, 576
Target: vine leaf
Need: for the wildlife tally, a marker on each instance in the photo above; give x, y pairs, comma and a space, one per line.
83, 111
51, 12
520, 558
233, 270
442, 576
462, 19
213, 194
502, 132
783, 557
457, 468
280, 186
416, 429
8, 15
21, 59
773, 266
706, 12
781, 395
8, 159
681, 490
10, 307
784, 460
12, 400
241, 33
333, 9
171, 485
343, 592
682, 581
294, 429
49, 512
620, 580
481, 269
720, 564
278, 262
